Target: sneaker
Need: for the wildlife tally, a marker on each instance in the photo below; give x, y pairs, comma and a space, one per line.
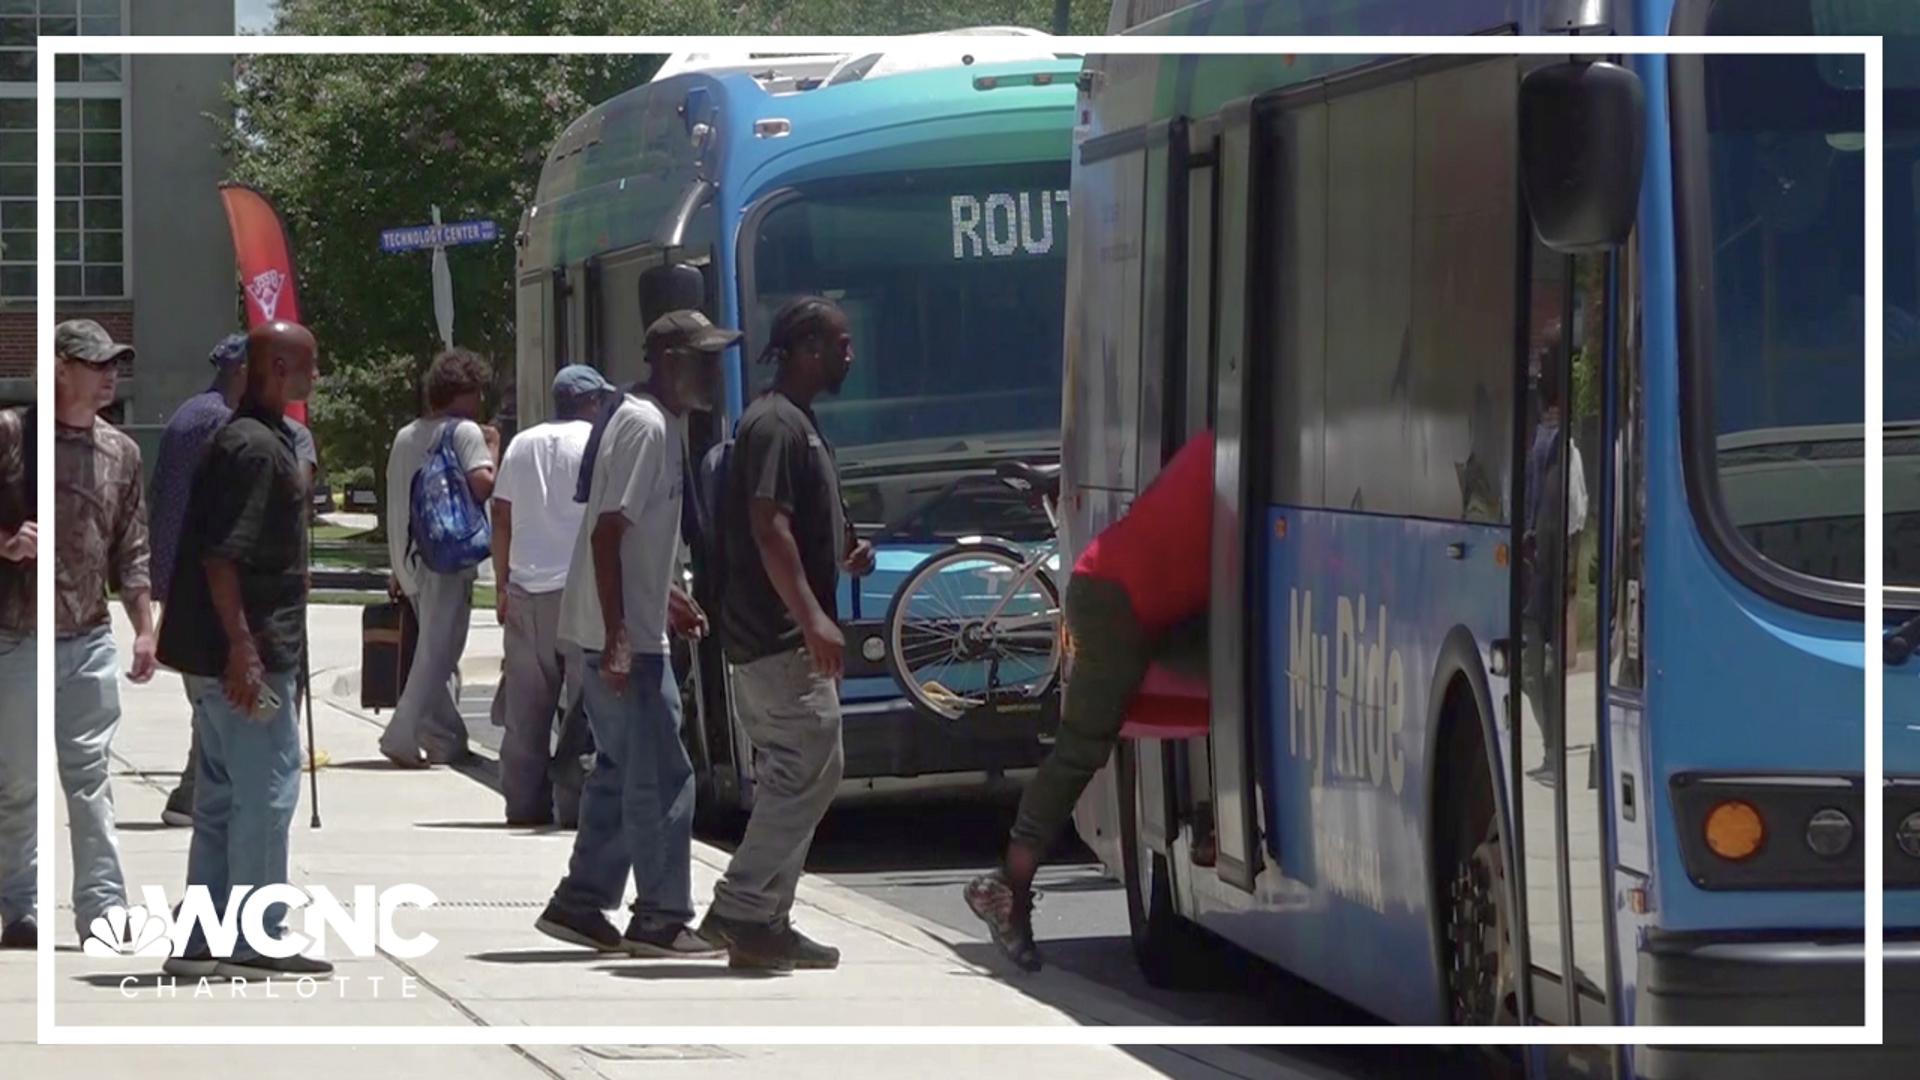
672, 942
417, 759
198, 963
750, 945
264, 968
1008, 915
179, 811
21, 933
587, 929
807, 954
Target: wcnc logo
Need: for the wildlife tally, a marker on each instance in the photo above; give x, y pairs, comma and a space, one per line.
366, 929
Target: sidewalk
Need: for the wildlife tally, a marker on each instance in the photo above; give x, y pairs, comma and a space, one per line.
442, 829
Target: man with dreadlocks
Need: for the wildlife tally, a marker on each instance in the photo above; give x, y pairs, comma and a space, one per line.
780, 627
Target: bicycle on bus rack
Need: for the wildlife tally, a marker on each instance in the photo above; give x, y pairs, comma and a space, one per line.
975, 628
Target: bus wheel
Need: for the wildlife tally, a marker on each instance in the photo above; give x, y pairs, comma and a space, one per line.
1481, 977
1170, 950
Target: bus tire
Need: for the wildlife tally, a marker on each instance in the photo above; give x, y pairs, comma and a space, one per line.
1475, 921
1170, 950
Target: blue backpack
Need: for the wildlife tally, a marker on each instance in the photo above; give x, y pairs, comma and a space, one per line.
448, 526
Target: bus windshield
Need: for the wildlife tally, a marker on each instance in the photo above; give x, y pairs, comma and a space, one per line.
954, 282
1782, 186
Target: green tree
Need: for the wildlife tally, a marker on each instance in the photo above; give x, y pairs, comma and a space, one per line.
1088, 17
346, 146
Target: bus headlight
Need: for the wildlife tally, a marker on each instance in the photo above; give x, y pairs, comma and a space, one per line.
1735, 831
873, 649
1907, 835
1830, 833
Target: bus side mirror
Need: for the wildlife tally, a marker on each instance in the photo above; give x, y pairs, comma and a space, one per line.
1582, 147
670, 288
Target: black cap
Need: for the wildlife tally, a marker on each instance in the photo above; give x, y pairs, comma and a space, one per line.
688, 329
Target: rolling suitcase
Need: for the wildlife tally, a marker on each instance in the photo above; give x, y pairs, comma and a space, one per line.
387, 636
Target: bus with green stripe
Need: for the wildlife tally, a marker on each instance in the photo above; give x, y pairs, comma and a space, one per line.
925, 192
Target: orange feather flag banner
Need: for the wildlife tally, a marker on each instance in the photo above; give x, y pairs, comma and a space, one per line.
265, 261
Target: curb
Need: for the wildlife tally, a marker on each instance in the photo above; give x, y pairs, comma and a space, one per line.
1073, 996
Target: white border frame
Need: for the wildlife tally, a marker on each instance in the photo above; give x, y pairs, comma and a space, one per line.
1871, 1034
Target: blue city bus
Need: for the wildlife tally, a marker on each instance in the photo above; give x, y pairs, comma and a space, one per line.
1537, 688
926, 193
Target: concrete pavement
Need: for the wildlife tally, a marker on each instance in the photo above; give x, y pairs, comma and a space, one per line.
441, 829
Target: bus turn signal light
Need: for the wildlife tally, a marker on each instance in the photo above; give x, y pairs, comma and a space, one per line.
1735, 831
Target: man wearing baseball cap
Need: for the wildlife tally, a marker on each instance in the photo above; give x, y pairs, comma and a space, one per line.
636, 811
188, 431
100, 539
535, 524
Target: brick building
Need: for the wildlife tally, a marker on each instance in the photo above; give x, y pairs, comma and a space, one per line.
141, 241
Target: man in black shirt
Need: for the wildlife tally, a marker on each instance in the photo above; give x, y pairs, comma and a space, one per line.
780, 627
235, 627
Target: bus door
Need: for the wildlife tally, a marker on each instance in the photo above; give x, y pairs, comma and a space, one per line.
1177, 378
1237, 382
534, 350
1554, 703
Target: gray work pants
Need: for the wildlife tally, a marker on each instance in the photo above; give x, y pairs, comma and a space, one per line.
426, 717
792, 717
527, 701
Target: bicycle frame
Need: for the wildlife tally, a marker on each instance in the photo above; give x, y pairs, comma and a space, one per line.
1033, 565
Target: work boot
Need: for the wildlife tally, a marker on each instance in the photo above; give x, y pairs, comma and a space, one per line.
1007, 909
750, 945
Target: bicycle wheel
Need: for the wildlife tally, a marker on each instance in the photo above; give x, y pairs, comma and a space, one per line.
946, 653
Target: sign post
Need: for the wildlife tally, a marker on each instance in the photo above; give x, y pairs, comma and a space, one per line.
439, 237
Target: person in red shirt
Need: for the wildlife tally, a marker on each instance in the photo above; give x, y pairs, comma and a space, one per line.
1135, 594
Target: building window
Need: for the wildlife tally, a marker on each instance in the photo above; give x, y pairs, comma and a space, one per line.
89, 151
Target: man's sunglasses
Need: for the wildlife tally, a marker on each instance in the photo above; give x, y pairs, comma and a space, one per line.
95, 365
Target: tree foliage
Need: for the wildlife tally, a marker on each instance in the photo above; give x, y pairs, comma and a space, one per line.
348, 145
1087, 17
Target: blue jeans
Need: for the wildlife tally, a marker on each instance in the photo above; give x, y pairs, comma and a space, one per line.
19, 779
86, 714
636, 810
244, 796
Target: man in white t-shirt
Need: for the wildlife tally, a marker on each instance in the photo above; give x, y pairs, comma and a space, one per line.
636, 810
427, 727
535, 525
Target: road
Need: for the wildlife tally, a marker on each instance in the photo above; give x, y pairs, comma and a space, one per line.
916, 855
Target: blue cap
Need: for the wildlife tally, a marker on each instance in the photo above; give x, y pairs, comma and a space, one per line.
578, 381
230, 353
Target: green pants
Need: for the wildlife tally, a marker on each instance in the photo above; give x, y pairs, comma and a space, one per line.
1111, 657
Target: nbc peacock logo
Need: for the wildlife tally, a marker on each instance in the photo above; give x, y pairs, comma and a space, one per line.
134, 931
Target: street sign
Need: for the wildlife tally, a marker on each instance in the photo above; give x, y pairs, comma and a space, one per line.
415, 237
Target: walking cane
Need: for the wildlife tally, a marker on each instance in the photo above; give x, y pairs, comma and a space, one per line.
313, 757
306, 693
